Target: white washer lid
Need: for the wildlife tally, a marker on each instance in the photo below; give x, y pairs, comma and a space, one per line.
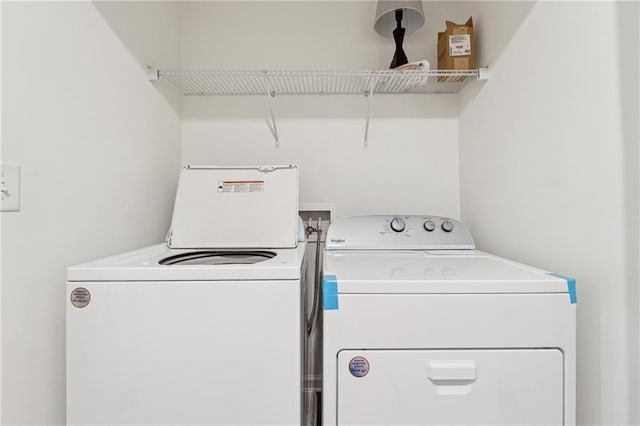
144, 265
236, 207
437, 272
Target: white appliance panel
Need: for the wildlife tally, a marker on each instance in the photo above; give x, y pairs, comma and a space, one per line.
467, 271
187, 353
413, 232
439, 387
236, 207
144, 265
448, 321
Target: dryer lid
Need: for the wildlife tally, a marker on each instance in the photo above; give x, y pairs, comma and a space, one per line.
235, 207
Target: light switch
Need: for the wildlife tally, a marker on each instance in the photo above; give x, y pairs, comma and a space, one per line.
10, 188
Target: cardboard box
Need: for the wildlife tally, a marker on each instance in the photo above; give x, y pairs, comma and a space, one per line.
456, 47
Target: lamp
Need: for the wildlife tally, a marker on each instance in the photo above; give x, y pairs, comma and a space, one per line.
391, 15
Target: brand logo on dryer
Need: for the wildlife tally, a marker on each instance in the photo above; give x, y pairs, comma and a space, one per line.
80, 297
338, 240
359, 366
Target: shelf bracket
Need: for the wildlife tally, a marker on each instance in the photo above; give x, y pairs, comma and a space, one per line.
368, 94
483, 74
152, 73
270, 95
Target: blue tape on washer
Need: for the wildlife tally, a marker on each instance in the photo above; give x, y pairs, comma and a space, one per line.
571, 286
329, 292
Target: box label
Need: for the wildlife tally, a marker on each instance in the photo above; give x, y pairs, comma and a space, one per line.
460, 45
241, 186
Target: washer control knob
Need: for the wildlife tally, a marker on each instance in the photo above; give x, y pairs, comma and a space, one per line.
397, 224
447, 226
429, 226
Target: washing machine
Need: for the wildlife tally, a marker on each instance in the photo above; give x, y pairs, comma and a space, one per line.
420, 328
205, 329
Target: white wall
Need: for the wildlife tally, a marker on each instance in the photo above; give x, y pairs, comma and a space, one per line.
0, 226
548, 164
411, 164
99, 150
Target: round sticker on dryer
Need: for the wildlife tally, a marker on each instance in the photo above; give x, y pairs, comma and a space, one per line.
359, 366
80, 297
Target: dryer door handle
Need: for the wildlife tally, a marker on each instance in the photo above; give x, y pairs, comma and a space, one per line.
451, 371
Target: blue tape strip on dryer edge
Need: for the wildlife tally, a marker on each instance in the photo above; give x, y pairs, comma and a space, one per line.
571, 286
329, 292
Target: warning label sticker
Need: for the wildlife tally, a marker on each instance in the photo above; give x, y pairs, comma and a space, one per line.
460, 45
241, 186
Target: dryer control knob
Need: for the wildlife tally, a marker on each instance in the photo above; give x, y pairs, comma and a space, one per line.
447, 226
397, 224
429, 226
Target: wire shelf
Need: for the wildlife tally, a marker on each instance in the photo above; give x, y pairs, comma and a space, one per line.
225, 83
272, 83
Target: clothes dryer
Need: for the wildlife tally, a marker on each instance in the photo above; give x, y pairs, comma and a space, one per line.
204, 329
422, 328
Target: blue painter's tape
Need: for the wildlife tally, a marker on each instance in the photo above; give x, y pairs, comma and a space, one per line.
571, 286
329, 292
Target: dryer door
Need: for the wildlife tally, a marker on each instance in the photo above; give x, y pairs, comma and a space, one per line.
450, 387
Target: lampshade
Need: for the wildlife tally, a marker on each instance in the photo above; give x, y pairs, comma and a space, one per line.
412, 16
